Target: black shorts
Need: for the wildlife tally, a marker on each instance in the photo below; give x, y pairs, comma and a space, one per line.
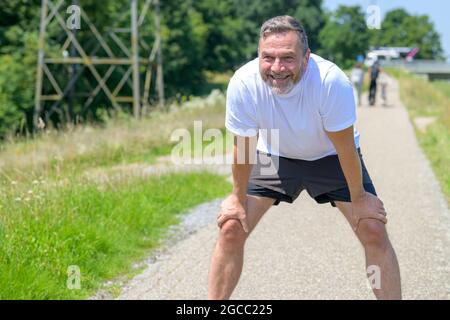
284, 179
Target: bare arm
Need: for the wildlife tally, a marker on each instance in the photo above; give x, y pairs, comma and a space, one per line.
234, 206
364, 204
344, 143
243, 158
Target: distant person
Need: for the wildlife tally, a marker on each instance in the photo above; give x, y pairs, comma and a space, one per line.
384, 82
357, 78
292, 114
374, 72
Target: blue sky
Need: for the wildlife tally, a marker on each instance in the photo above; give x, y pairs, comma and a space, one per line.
437, 10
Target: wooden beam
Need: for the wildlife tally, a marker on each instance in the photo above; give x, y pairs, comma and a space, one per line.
40, 64
159, 62
50, 97
124, 99
93, 61
135, 59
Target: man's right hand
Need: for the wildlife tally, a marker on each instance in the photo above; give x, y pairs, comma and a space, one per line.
233, 208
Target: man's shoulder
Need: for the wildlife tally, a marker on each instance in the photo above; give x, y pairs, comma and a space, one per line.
324, 68
248, 71
246, 78
327, 72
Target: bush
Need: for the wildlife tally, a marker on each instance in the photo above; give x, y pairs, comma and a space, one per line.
17, 84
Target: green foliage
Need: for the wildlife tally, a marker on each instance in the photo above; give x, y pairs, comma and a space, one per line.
9, 116
183, 69
199, 37
222, 36
344, 36
15, 17
430, 99
17, 83
255, 12
310, 13
400, 29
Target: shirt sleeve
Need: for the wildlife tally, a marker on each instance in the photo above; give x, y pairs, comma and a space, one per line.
338, 108
240, 116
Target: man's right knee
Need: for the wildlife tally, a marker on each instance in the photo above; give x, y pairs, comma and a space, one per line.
232, 233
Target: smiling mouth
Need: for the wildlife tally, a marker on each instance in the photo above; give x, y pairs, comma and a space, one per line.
278, 77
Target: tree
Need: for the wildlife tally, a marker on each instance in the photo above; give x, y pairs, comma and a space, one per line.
345, 36
197, 36
183, 36
19, 27
400, 29
311, 15
255, 12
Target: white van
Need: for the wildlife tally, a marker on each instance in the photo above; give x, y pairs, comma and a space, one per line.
390, 53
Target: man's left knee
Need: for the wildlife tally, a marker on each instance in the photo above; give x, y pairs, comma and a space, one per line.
372, 234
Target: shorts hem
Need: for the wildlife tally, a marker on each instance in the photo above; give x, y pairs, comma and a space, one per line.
342, 195
268, 193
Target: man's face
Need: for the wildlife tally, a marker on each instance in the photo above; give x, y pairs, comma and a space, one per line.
281, 61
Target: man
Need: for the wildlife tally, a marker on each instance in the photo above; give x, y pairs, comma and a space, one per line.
384, 82
308, 102
357, 78
374, 72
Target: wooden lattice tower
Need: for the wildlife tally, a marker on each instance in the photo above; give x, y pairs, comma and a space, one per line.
75, 58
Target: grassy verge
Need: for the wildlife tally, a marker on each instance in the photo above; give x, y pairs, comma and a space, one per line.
100, 229
430, 99
118, 142
55, 214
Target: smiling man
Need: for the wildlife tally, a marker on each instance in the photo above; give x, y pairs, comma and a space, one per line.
308, 102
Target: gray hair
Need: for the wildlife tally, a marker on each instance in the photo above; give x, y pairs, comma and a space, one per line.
281, 24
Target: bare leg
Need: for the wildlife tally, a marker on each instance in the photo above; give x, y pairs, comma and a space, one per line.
379, 253
228, 256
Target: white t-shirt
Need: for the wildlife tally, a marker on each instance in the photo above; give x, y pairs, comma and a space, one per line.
322, 100
357, 75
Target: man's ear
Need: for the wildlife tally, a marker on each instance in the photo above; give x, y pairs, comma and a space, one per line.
308, 52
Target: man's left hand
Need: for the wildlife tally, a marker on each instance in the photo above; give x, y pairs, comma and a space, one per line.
368, 206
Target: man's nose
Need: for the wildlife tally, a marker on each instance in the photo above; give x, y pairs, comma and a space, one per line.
277, 66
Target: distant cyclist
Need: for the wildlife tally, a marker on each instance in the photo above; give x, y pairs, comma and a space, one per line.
374, 72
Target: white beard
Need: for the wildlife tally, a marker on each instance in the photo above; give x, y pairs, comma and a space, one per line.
286, 88
281, 90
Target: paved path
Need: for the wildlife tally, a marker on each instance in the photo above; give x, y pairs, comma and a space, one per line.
307, 251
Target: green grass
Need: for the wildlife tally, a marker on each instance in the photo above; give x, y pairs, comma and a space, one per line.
100, 228
70, 198
216, 81
430, 99
443, 86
